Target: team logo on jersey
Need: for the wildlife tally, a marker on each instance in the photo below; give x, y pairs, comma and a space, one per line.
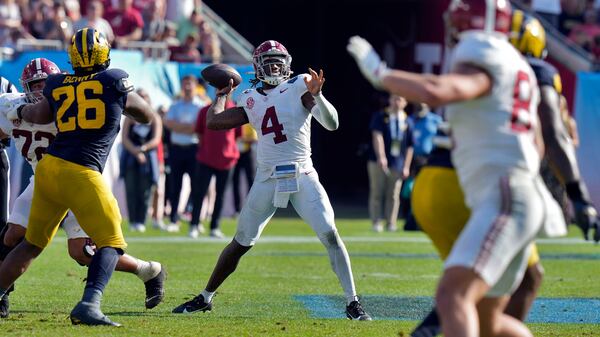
250, 103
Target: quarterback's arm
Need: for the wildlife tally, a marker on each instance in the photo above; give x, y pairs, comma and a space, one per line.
217, 118
38, 113
466, 82
138, 109
314, 101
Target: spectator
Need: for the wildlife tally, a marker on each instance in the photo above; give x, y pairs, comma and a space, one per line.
188, 51
177, 9
584, 34
94, 19
158, 195
189, 24
139, 166
246, 164
10, 19
84, 5
424, 127
169, 35
571, 15
154, 21
73, 10
181, 121
41, 20
210, 44
389, 162
126, 21
61, 27
217, 155
548, 10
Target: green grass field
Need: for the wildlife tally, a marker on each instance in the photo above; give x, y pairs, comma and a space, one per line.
394, 272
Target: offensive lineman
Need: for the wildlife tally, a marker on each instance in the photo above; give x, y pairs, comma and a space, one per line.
31, 140
492, 95
280, 110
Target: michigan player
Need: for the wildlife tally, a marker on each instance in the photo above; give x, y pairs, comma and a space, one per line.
281, 110
32, 140
492, 96
86, 107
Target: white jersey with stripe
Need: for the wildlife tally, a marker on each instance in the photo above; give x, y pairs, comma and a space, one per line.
31, 139
496, 131
281, 121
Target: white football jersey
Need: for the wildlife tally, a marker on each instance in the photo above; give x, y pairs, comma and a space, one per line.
497, 130
281, 122
31, 140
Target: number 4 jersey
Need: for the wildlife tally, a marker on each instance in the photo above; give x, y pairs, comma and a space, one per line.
88, 112
496, 131
281, 121
31, 140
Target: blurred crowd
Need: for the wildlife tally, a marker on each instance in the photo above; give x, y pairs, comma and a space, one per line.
576, 19
175, 168
178, 24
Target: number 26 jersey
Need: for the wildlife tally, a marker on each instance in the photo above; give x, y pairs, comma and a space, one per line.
280, 120
87, 112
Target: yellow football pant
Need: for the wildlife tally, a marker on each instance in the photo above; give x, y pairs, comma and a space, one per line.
61, 185
439, 208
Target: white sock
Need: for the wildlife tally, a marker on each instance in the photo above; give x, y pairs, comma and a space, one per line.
147, 270
340, 262
208, 295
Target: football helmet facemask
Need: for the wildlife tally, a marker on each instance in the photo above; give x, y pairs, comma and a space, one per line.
272, 62
36, 70
89, 51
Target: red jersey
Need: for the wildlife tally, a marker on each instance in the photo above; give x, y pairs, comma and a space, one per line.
218, 148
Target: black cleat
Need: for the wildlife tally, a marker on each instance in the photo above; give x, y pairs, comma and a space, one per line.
354, 310
4, 307
89, 314
155, 289
196, 304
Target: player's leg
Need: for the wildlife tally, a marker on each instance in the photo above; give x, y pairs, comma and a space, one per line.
491, 253
81, 249
97, 211
312, 204
255, 215
522, 299
494, 322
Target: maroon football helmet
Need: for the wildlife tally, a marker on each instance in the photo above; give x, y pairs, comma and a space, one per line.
36, 70
463, 15
272, 62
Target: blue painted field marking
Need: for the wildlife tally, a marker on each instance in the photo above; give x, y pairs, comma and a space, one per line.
544, 310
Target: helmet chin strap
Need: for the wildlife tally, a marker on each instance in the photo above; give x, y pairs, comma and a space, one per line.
490, 15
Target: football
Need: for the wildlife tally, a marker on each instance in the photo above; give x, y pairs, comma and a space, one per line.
219, 74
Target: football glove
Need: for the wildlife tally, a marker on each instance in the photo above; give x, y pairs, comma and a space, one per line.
586, 216
368, 61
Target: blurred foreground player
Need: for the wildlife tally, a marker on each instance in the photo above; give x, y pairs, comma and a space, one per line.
492, 95
87, 108
281, 111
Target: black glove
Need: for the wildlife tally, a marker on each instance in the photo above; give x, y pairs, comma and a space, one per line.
586, 216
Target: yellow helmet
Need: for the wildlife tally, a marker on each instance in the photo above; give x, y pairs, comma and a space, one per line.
89, 51
527, 35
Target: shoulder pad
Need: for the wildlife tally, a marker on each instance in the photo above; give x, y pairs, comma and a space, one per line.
116, 73
11, 101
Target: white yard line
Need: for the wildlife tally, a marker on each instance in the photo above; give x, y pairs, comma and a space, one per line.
314, 239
